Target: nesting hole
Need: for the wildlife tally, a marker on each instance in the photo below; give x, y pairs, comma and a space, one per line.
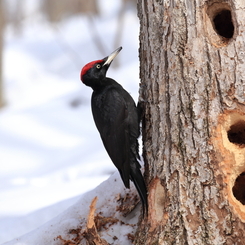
223, 23
220, 23
239, 188
236, 134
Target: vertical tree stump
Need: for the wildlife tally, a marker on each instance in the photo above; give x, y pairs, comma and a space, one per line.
192, 71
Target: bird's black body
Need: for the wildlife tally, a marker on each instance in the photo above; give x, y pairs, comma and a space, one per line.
116, 118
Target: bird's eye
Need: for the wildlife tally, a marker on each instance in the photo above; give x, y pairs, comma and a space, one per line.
98, 66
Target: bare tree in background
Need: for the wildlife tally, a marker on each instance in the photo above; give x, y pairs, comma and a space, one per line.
56, 10
2, 23
17, 17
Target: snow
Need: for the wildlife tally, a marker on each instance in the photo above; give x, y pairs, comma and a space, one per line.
50, 151
75, 218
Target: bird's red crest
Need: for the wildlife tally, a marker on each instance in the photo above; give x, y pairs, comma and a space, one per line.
87, 67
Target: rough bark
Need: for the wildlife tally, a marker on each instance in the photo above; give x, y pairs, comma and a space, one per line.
192, 91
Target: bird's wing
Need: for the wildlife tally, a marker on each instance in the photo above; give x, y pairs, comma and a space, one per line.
111, 115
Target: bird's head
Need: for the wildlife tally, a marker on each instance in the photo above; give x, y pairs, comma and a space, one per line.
94, 72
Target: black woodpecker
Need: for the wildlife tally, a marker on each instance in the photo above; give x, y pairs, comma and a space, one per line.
116, 117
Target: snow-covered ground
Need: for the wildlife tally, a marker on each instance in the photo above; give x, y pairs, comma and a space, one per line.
50, 150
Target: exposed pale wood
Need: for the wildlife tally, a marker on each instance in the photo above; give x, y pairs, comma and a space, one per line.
91, 234
192, 91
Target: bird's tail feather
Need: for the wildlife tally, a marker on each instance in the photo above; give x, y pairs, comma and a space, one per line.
139, 182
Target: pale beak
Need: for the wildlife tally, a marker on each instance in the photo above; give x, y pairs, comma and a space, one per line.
112, 56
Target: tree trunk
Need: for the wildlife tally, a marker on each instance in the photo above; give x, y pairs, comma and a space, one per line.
192, 92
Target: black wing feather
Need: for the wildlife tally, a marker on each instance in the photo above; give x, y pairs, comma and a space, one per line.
113, 125
116, 117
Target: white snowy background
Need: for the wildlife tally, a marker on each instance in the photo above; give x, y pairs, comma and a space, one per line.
50, 150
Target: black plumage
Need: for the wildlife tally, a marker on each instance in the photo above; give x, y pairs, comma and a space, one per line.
116, 118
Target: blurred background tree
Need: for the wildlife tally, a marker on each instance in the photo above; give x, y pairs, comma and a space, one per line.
56, 10
2, 20
13, 13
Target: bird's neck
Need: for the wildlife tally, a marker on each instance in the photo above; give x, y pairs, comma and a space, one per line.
98, 86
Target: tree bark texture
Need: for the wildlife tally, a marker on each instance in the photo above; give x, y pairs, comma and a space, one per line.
192, 92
